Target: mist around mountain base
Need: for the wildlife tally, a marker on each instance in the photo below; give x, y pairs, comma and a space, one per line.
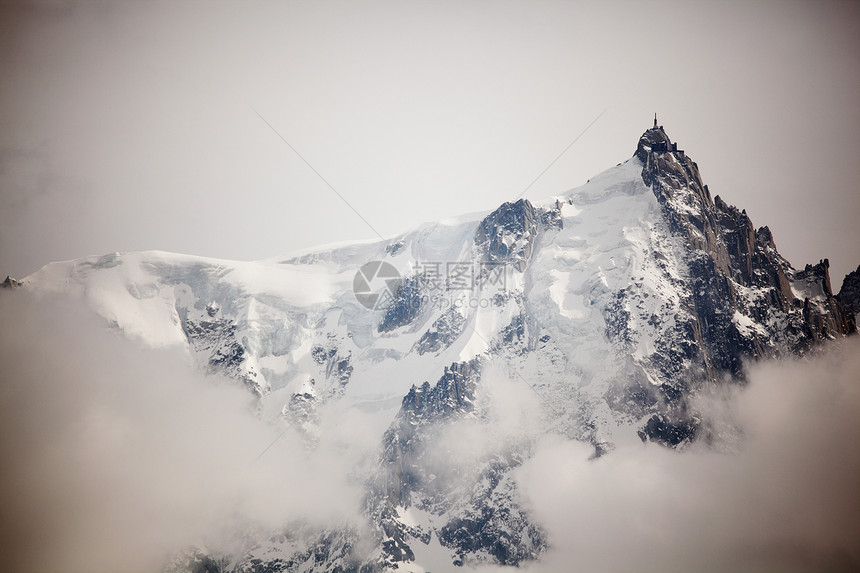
115, 456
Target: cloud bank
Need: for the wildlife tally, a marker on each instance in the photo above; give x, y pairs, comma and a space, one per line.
788, 500
114, 456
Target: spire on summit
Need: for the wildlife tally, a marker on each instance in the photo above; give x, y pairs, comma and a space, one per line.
655, 140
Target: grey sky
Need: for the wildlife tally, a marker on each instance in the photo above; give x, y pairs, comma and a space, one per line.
132, 126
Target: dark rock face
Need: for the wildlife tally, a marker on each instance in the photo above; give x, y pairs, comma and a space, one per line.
552, 218
823, 314
849, 295
302, 413
336, 365
442, 333
507, 234
216, 339
322, 550
402, 470
10, 283
741, 303
675, 180
514, 336
476, 520
662, 429
405, 307
728, 259
452, 397
493, 522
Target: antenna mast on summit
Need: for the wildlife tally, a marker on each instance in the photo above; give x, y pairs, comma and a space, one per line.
655, 119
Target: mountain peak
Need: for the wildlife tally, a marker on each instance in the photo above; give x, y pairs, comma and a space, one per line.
654, 140
627, 300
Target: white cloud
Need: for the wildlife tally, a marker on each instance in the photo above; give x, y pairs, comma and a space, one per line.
786, 501
114, 456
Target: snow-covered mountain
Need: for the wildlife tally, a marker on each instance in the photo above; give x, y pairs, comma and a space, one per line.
611, 305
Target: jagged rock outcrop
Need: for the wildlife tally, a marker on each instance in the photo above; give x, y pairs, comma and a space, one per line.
452, 397
735, 269
293, 548
823, 314
10, 283
403, 471
507, 234
216, 340
474, 523
849, 295
552, 218
404, 308
334, 362
443, 332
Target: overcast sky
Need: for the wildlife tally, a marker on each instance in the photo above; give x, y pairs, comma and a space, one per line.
133, 126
